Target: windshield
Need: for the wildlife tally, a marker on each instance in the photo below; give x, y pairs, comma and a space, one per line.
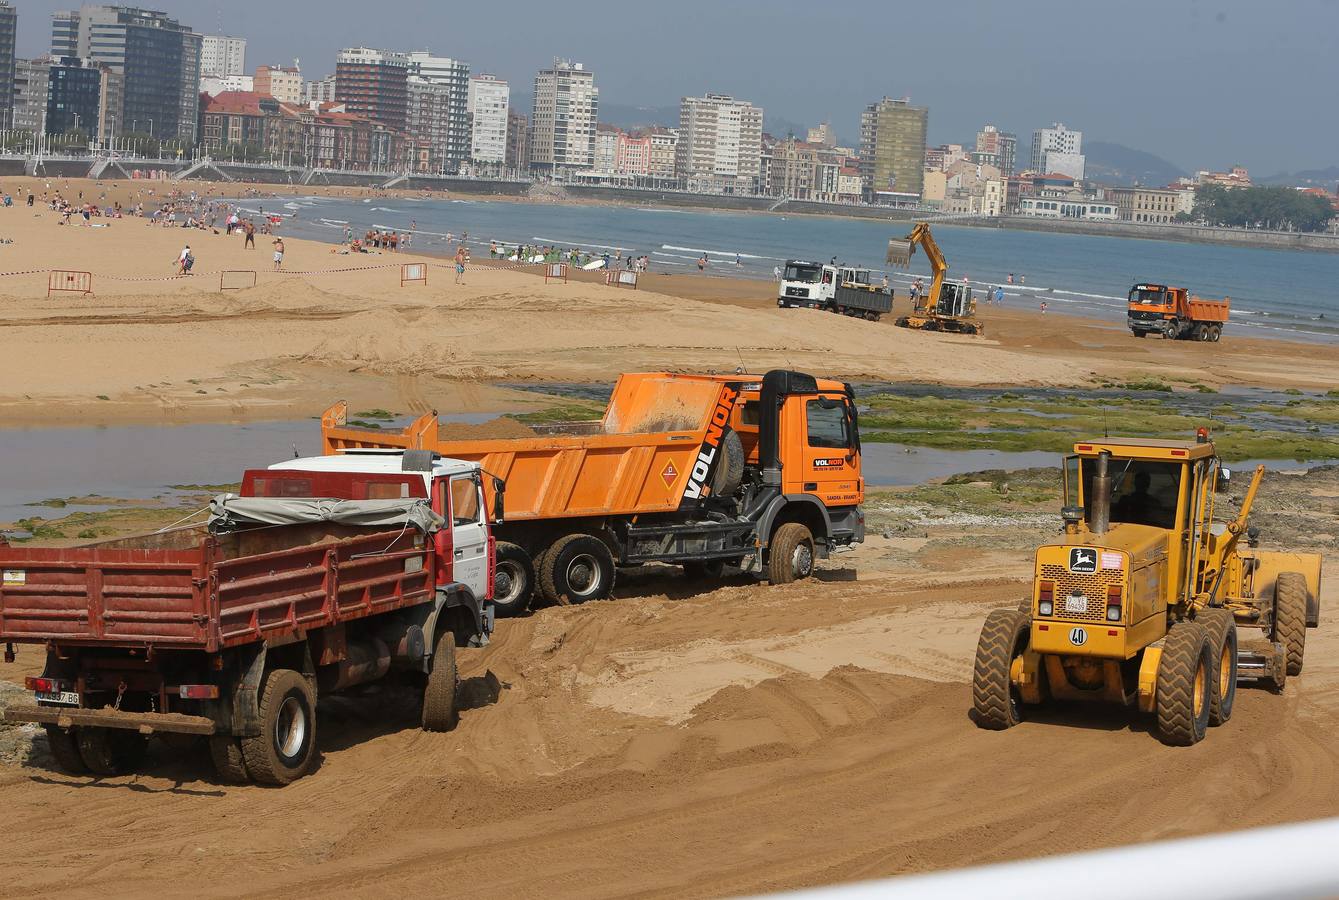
1146, 297
1142, 493
805, 272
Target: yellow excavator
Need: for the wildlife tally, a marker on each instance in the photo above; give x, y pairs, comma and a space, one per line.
1140, 601
946, 306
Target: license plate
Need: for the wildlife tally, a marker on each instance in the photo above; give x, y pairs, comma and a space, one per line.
69, 698
1076, 603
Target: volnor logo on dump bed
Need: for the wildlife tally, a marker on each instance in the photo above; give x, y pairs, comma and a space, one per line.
708, 454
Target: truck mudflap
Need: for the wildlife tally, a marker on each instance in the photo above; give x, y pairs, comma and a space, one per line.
143, 722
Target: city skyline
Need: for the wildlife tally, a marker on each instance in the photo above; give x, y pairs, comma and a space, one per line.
1188, 87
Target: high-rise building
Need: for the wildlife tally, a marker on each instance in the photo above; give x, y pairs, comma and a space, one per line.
518, 142
1058, 149
9, 23
222, 56
374, 84
489, 98
283, 83
155, 61
720, 144
562, 124
30, 94
74, 92
997, 148
454, 76
315, 93
892, 147
823, 134
427, 122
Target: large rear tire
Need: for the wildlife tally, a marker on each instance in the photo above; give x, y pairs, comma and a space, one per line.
439, 695
790, 557
579, 567
226, 753
111, 751
994, 700
1290, 601
1215, 333
1185, 684
514, 580
64, 744
1222, 626
286, 747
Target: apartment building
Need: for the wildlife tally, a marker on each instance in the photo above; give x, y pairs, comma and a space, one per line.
563, 119
488, 104
720, 145
892, 149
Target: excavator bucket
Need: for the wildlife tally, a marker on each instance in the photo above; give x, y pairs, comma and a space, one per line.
899, 252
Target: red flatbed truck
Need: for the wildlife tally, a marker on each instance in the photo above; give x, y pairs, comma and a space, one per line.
323, 574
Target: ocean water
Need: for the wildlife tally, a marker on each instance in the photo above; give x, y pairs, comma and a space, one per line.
1272, 291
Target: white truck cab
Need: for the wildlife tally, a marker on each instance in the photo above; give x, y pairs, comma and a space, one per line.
814, 285
454, 488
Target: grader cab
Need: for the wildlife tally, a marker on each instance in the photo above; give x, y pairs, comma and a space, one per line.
1140, 601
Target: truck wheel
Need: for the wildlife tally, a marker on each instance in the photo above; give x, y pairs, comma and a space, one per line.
1171, 329
1222, 628
111, 751
64, 744
1202, 333
439, 695
579, 567
514, 580
286, 746
1185, 683
1215, 333
1290, 600
226, 752
791, 554
994, 699
730, 468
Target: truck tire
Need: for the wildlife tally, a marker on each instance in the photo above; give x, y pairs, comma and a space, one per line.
1171, 329
1215, 333
64, 744
1202, 333
439, 694
790, 556
730, 468
1185, 683
514, 580
111, 751
577, 568
226, 753
286, 747
1222, 626
994, 701
1290, 601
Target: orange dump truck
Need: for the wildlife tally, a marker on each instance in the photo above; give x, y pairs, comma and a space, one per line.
1175, 314
757, 471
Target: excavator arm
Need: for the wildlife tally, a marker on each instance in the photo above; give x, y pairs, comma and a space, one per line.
900, 252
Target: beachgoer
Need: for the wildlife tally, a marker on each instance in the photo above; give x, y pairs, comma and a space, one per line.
181, 259
278, 253
250, 230
1022, 279
702, 263
885, 282
999, 295
460, 265
1011, 277
1043, 307
737, 261
776, 272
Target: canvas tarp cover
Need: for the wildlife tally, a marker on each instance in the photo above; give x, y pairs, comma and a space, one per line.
229, 512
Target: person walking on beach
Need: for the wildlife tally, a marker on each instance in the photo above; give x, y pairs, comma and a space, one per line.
1043, 307
278, 253
183, 264
776, 272
702, 263
249, 229
460, 265
999, 295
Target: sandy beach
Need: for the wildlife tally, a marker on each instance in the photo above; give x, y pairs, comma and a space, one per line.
150, 347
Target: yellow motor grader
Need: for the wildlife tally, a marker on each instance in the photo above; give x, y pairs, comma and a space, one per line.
1140, 601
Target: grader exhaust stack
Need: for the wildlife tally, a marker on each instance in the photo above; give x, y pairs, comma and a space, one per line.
1099, 521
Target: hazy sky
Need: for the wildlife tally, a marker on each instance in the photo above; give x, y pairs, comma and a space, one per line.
1204, 83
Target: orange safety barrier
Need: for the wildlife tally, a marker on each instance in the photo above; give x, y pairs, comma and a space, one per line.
71, 282
237, 279
413, 273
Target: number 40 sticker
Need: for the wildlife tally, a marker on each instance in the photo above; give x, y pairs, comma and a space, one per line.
1078, 637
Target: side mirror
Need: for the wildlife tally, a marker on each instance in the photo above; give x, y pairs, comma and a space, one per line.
1224, 479
499, 502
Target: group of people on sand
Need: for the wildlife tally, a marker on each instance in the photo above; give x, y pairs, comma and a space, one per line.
387, 240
